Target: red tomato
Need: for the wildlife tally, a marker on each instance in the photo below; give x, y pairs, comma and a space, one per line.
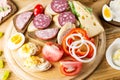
52, 52
70, 67
38, 9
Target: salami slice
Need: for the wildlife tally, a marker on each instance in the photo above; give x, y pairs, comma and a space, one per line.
66, 17
59, 5
41, 21
46, 34
22, 19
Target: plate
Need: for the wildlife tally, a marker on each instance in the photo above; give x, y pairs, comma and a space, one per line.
115, 23
53, 74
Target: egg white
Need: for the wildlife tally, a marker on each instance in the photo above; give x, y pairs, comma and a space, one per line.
43, 66
14, 46
103, 9
32, 47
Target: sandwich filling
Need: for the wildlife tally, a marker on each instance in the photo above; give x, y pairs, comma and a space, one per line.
5, 9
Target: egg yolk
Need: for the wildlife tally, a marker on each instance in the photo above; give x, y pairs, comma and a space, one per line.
107, 12
26, 48
16, 39
33, 61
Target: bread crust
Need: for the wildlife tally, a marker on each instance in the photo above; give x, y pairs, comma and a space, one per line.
14, 9
26, 24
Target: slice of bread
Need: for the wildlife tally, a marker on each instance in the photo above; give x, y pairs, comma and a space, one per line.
22, 20
13, 11
88, 20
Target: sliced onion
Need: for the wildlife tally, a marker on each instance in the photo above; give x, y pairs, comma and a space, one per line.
81, 59
72, 35
74, 46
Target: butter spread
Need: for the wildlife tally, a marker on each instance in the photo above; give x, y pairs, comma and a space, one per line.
116, 57
5, 9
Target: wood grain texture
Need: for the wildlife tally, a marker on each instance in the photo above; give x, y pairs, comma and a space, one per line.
17, 63
103, 71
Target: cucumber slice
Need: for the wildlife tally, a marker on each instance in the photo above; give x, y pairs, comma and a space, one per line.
1, 64
1, 34
6, 75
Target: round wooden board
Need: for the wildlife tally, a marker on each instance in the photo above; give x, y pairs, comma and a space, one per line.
53, 73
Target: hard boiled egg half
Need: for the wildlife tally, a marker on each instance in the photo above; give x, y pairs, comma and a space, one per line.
106, 12
35, 64
15, 41
27, 50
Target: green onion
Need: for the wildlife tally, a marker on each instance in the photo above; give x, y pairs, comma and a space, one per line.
1, 64
5, 75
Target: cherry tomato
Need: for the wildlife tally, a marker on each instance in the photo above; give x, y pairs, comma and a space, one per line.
38, 9
70, 67
52, 52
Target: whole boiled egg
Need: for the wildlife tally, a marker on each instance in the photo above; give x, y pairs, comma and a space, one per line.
15, 41
107, 13
27, 50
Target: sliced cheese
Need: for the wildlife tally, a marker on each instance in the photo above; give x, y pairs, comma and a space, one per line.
87, 19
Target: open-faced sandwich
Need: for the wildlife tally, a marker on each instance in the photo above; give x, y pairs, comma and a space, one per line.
64, 30
7, 9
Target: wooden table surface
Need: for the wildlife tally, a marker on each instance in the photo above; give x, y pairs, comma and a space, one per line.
103, 71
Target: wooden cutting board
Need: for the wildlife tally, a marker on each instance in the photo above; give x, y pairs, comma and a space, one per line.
54, 73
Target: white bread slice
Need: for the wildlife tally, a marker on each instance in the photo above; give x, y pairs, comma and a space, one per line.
88, 21
63, 31
31, 27
49, 11
55, 20
14, 9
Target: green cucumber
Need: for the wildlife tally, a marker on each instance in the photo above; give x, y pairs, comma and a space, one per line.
1, 34
6, 75
1, 64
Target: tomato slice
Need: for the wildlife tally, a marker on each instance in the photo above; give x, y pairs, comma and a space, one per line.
70, 67
52, 52
75, 30
38, 9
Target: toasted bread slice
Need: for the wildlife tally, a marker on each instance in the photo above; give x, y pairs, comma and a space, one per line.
22, 20
87, 19
32, 38
13, 10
